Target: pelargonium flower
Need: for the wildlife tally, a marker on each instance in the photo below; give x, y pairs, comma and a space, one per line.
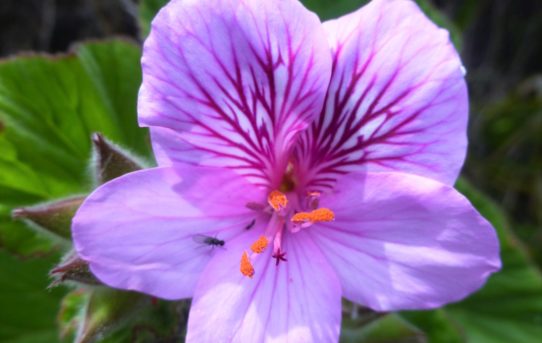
322, 157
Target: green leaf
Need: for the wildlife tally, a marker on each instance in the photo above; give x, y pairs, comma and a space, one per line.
332, 9
436, 325
28, 310
443, 21
156, 321
388, 329
71, 312
508, 308
49, 108
147, 11
107, 310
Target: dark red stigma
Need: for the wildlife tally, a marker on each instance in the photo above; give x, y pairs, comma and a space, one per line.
279, 256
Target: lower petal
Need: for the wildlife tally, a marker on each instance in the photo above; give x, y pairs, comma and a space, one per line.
296, 301
402, 241
139, 231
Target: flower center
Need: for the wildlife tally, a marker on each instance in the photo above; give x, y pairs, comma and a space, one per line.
284, 217
277, 200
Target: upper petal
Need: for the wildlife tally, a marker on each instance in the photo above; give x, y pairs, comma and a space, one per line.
297, 301
234, 80
397, 99
138, 231
402, 241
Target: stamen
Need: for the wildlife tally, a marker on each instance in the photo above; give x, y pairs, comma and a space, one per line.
315, 216
246, 266
301, 217
322, 215
277, 200
255, 206
259, 246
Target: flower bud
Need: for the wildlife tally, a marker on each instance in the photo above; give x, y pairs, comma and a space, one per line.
54, 217
73, 268
110, 161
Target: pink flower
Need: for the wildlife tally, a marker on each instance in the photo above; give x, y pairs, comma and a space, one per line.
322, 156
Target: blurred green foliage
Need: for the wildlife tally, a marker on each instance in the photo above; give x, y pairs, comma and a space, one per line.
509, 308
509, 162
28, 309
49, 107
147, 11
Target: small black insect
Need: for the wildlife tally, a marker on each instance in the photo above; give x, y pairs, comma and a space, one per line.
250, 225
208, 240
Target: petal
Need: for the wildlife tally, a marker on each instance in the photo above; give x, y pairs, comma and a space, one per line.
235, 80
397, 99
297, 301
403, 241
139, 231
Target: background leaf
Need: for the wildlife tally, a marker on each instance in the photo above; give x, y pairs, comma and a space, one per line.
28, 311
507, 309
147, 11
49, 107
332, 9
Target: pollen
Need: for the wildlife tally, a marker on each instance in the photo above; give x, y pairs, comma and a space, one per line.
259, 246
301, 217
246, 266
277, 200
322, 215
315, 216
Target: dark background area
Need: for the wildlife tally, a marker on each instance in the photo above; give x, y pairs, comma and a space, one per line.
499, 40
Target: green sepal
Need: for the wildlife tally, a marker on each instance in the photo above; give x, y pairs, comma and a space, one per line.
53, 217
111, 161
73, 268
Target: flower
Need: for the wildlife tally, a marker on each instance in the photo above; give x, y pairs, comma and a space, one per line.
313, 168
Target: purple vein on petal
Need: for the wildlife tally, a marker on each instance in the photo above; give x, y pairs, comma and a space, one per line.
397, 99
235, 82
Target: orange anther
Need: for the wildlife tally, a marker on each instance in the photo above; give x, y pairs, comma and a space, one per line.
322, 215
316, 216
277, 200
301, 217
246, 266
259, 246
